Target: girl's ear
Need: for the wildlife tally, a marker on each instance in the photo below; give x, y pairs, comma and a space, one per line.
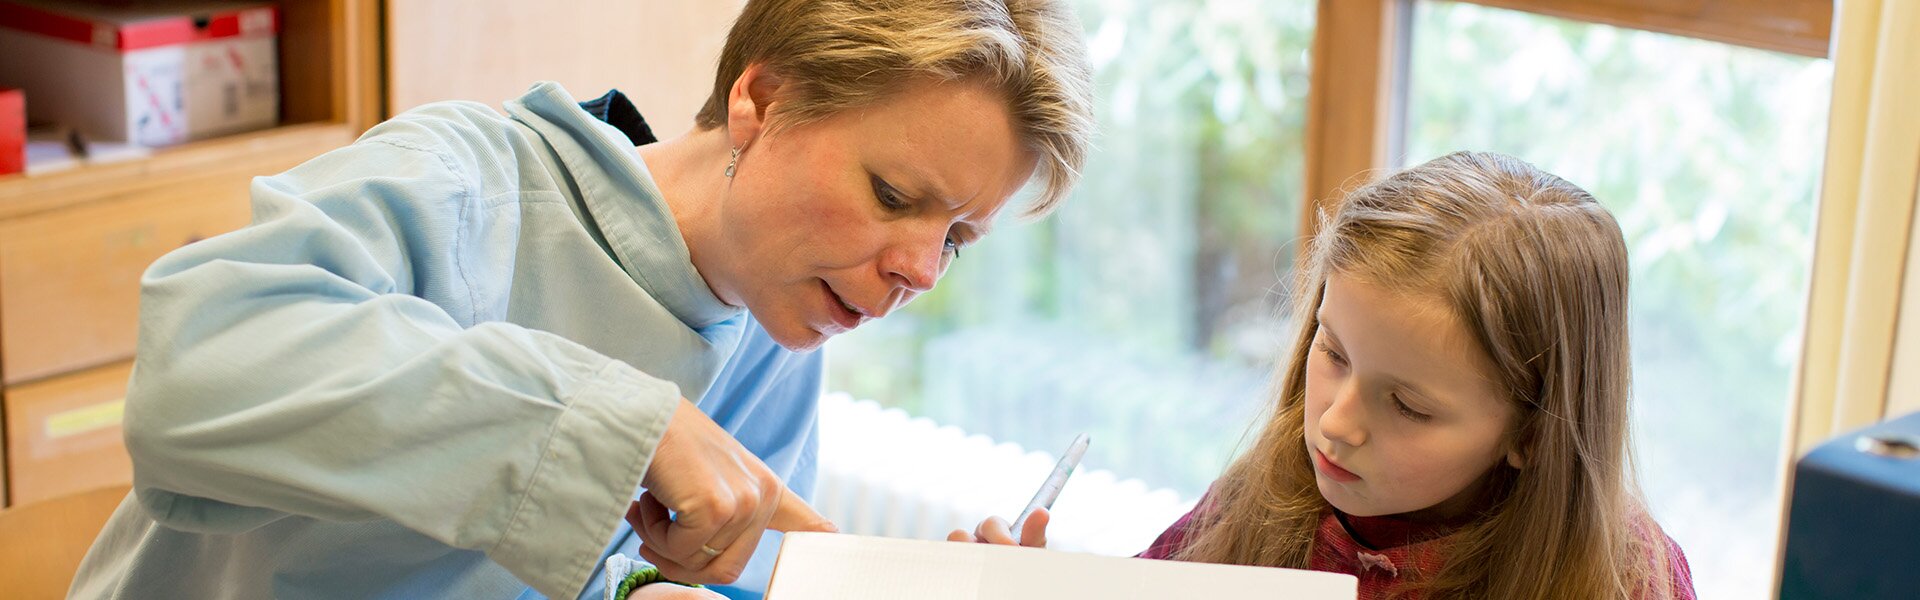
1517, 440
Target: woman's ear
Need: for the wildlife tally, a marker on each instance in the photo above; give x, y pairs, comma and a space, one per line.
1515, 459
747, 103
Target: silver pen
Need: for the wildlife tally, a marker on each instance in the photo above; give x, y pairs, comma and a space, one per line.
1050, 490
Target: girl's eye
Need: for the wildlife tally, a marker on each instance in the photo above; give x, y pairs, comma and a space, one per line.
953, 247
888, 196
1334, 356
1408, 411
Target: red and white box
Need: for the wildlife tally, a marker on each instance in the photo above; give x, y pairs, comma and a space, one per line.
154, 73
13, 131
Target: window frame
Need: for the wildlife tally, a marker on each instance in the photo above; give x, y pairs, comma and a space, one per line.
1355, 120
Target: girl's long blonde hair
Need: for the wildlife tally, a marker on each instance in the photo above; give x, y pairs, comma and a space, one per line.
1537, 271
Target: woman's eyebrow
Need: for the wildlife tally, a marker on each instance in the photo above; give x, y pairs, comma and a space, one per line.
973, 233
923, 186
913, 189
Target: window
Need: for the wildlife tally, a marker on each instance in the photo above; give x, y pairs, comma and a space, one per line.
1708, 155
1145, 310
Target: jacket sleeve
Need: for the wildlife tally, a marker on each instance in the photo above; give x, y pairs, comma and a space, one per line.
292, 369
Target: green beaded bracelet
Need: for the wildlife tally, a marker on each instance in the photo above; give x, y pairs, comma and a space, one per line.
642, 576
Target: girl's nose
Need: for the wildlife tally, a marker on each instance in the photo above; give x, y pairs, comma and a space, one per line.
1345, 419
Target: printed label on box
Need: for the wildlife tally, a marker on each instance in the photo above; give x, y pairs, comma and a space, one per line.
156, 110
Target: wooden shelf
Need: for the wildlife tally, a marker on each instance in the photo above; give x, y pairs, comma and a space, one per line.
261, 152
329, 53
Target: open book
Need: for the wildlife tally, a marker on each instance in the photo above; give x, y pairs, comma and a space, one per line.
826, 566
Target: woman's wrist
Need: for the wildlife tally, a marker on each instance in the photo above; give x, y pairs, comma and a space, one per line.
624, 575
643, 575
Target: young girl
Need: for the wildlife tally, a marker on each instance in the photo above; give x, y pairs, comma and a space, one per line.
1453, 412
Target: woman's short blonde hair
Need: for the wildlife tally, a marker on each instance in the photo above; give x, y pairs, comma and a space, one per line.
841, 54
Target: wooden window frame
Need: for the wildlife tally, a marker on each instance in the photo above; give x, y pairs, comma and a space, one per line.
1356, 100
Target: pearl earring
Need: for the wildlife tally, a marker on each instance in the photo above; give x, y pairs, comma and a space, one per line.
733, 161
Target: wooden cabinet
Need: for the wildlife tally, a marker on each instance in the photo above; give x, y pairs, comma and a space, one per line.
70, 279
63, 434
73, 245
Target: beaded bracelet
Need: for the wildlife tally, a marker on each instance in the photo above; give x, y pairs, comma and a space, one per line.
624, 574
642, 576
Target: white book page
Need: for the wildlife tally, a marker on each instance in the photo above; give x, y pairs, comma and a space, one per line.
818, 566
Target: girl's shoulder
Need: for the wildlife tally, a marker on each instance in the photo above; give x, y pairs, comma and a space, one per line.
1180, 534
1175, 538
1667, 563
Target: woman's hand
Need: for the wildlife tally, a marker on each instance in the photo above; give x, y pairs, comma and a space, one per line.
668, 591
721, 498
994, 531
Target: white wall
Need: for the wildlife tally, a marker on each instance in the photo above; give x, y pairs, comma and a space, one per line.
661, 53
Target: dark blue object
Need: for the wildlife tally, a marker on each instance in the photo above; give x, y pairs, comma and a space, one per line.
1854, 530
614, 108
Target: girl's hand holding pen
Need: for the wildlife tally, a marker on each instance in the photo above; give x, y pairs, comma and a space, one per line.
1033, 519
994, 531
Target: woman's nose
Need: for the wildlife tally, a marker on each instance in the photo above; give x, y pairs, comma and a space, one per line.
917, 265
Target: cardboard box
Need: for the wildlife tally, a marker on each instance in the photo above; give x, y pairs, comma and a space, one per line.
154, 73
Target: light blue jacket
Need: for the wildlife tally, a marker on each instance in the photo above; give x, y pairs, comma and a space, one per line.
436, 365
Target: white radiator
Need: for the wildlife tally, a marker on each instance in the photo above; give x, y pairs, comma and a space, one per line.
887, 474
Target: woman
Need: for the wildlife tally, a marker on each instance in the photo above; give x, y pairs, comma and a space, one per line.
444, 359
